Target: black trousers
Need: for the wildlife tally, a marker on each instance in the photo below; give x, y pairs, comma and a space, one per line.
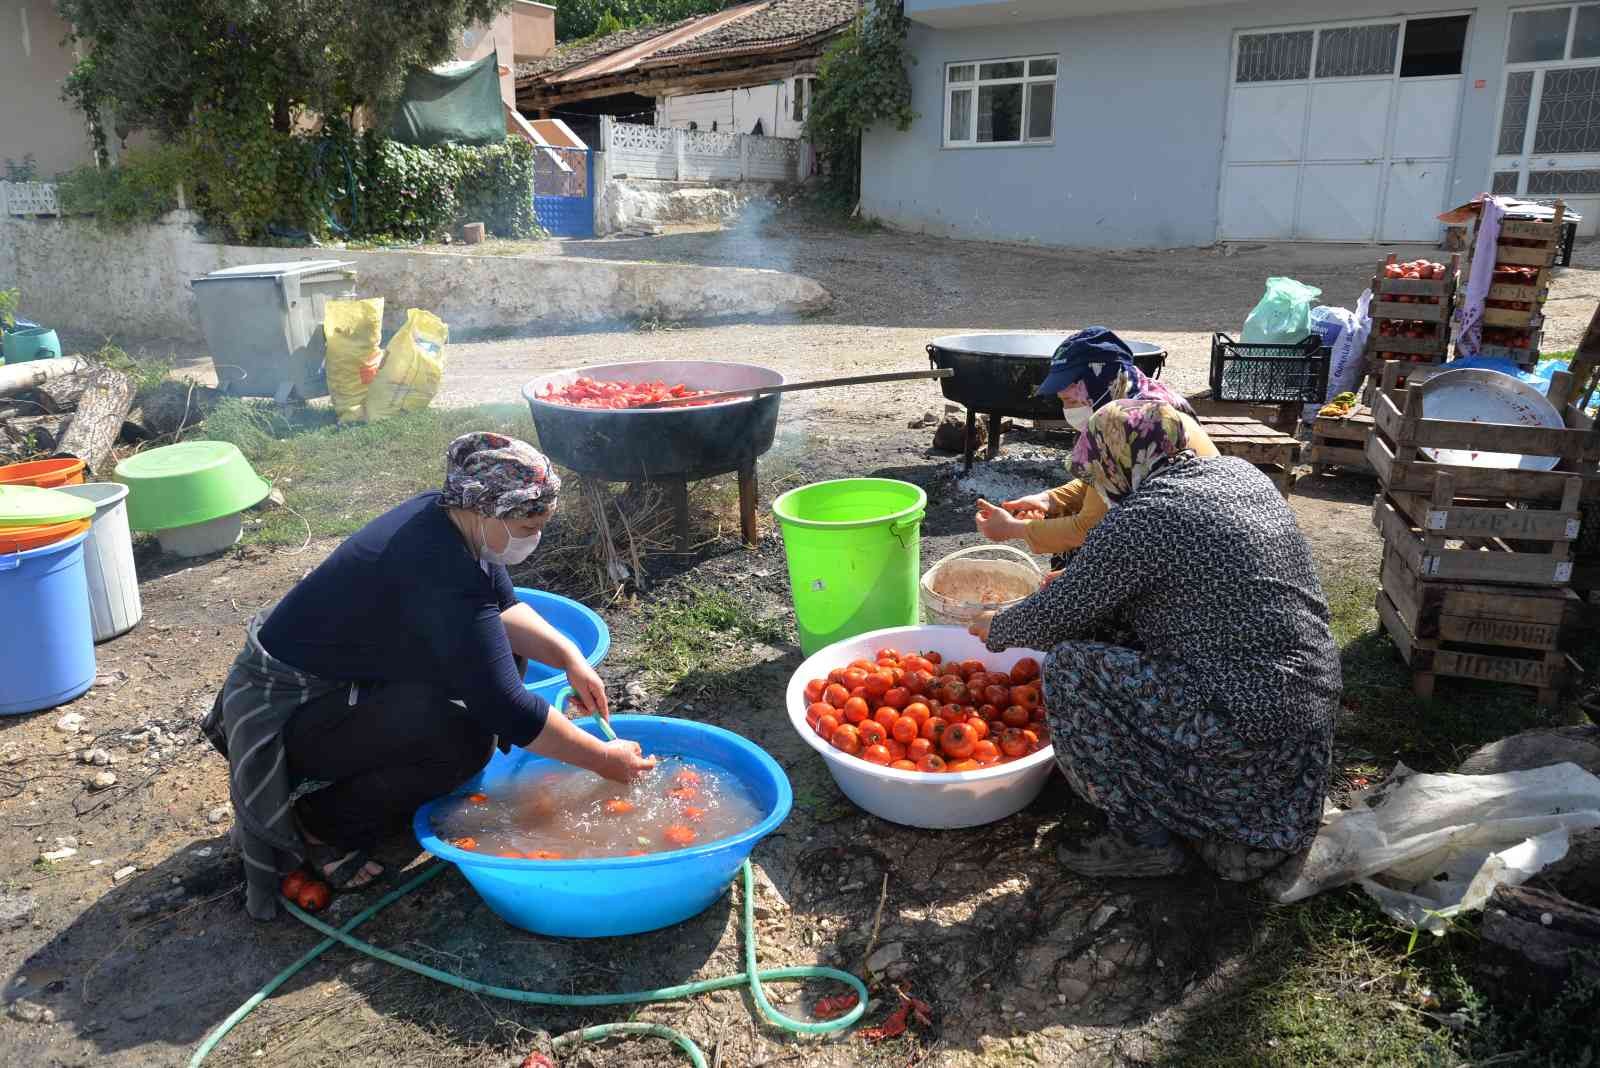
398, 746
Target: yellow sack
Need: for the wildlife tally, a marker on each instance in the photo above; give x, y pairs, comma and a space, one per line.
354, 329
413, 364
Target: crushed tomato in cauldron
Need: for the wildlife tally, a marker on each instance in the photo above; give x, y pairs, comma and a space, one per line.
593, 393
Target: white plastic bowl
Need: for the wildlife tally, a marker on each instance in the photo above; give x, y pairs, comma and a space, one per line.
914, 798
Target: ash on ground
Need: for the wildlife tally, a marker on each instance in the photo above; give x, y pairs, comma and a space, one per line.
1017, 472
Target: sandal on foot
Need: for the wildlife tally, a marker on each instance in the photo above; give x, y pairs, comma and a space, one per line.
1113, 855
346, 867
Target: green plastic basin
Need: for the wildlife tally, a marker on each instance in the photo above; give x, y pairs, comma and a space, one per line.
29, 506
191, 482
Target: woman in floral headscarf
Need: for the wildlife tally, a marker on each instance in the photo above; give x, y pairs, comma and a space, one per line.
1089, 370
1217, 732
385, 677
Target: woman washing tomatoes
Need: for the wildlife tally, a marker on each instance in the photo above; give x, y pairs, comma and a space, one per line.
385, 677
1089, 370
1217, 731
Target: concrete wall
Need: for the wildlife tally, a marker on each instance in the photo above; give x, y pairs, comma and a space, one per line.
33, 117
76, 277
1140, 109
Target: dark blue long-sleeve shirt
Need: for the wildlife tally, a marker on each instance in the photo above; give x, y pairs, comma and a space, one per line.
404, 600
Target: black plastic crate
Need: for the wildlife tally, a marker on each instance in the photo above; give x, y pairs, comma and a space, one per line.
1258, 373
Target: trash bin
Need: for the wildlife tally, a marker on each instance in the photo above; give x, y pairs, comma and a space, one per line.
263, 324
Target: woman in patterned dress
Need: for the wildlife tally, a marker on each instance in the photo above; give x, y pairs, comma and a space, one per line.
1217, 732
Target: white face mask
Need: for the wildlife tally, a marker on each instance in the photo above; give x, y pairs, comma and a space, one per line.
516, 550
1078, 418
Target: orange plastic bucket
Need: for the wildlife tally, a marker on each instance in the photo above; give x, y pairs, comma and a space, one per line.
21, 539
46, 474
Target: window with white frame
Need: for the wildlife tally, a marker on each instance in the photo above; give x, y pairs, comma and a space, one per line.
1000, 102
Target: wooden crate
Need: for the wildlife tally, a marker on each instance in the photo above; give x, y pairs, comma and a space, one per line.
1274, 452
1477, 614
1397, 300
1444, 538
1400, 433
1547, 671
1525, 323
1340, 441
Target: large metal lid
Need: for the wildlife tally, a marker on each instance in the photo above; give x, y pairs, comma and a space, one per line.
275, 271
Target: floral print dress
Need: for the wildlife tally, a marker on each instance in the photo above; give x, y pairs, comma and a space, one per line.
1220, 726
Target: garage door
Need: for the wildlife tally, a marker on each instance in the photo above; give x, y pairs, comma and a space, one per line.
1342, 132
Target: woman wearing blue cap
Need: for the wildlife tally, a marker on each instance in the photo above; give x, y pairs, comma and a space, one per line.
1213, 728
1089, 370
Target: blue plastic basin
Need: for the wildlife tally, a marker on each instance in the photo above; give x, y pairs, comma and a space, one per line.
587, 631
600, 897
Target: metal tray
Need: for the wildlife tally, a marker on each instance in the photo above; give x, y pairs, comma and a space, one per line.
1475, 395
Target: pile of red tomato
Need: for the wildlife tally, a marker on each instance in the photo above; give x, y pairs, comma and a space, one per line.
1507, 274
306, 890
1510, 337
595, 393
1415, 269
915, 712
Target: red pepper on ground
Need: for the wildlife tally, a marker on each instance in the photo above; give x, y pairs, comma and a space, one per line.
895, 1025
831, 1008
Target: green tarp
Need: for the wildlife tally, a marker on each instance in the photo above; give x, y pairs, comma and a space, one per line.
462, 105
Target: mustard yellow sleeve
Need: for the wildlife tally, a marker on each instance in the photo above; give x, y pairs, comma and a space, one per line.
1199, 441
1066, 500
1061, 534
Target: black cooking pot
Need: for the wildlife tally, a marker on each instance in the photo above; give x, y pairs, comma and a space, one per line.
997, 374
662, 443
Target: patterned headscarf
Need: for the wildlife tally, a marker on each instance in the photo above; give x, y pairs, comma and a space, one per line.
1096, 367
1125, 442
497, 476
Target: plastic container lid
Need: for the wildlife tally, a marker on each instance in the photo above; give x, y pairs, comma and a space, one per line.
274, 271
21, 539
30, 506
187, 483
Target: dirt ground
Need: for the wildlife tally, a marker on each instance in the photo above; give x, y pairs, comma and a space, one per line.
1023, 963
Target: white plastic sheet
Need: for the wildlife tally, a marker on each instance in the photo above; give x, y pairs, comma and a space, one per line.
1427, 847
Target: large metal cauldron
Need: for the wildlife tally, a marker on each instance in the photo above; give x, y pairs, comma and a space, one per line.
672, 445
996, 375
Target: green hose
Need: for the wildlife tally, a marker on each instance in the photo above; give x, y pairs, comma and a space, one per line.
750, 976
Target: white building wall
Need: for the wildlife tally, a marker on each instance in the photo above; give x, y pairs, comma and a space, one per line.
734, 110
1140, 111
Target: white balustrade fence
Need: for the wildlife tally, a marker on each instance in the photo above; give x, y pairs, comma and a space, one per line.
635, 151
28, 198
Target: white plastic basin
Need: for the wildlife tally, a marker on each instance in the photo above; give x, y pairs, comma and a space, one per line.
914, 798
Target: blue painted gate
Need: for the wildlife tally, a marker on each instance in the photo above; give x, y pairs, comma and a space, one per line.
563, 190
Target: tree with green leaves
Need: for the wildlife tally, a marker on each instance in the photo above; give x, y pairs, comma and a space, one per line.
158, 64
576, 19
861, 81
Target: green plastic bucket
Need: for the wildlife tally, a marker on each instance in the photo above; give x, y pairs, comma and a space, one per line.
854, 552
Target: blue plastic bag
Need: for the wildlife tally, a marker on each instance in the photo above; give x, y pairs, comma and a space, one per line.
1534, 378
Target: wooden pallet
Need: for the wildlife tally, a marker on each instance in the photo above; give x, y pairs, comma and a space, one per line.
1340, 441
1274, 452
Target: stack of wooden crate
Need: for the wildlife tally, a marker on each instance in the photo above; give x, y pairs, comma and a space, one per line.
1513, 313
1477, 560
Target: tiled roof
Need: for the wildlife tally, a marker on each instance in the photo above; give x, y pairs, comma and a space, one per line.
575, 52
777, 22
750, 27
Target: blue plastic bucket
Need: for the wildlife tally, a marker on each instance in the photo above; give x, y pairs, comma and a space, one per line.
46, 635
30, 343
587, 631
600, 897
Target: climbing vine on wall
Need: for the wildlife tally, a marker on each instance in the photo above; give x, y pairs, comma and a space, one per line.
861, 82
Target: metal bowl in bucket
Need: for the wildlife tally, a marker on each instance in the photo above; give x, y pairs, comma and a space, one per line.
914, 798
579, 623
600, 897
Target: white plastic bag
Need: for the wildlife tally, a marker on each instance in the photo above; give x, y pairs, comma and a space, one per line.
1346, 333
1427, 847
